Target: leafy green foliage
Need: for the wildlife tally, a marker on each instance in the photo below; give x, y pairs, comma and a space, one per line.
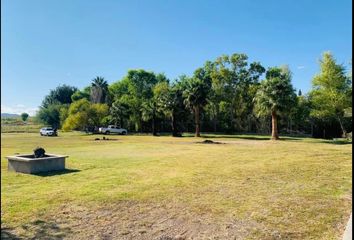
119, 112
331, 93
85, 93
24, 116
60, 95
83, 114
224, 95
276, 93
275, 96
50, 115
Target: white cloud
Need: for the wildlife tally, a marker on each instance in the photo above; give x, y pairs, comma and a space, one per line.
18, 109
300, 67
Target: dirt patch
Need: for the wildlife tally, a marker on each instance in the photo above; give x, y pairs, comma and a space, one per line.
209, 142
135, 220
105, 139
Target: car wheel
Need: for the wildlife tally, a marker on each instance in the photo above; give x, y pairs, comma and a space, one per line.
41, 134
107, 132
124, 133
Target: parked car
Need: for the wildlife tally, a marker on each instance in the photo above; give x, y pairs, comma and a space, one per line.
112, 129
48, 131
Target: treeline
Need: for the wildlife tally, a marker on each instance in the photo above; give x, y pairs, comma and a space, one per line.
226, 95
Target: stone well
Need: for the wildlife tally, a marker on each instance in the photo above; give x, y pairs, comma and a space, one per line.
29, 164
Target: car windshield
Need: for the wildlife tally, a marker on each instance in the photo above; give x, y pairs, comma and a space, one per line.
49, 129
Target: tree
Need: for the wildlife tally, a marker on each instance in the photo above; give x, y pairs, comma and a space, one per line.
149, 112
79, 94
118, 112
83, 114
135, 89
60, 95
195, 97
49, 112
275, 96
331, 91
24, 116
233, 84
301, 114
50, 115
170, 102
99, 90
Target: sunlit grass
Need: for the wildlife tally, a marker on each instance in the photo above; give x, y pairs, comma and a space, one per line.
300, 188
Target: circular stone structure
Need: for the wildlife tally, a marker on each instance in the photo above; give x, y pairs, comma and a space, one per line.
29, 164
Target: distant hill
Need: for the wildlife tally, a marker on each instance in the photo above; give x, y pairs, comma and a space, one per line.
9, 115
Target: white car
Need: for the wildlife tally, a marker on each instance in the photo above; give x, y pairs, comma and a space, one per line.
48, 131
113, 129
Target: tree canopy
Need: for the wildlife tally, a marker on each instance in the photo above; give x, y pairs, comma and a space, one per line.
228, 94
332, 91
275, 96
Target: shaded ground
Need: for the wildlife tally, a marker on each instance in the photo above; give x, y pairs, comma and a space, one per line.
38, 229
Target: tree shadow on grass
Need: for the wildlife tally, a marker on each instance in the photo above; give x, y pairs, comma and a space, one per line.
37, 229
252, 137
338, 142
7, 234
54, 173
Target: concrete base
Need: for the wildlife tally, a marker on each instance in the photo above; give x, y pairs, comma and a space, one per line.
29, 164
348, 230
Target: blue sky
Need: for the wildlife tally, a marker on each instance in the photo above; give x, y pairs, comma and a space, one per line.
46, 43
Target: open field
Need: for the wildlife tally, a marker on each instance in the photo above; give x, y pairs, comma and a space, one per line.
144, 187
15, 125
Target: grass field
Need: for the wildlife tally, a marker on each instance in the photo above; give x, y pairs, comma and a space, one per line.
15, 125
144, 187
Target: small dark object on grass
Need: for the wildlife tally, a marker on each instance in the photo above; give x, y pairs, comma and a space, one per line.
106, 139
209, 142
39, 152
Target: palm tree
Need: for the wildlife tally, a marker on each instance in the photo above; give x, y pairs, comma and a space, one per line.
99, 90
275, 96
195, 97
119, 111
169, 100
149, 112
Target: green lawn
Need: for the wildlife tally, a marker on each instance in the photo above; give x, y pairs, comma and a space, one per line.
249, 187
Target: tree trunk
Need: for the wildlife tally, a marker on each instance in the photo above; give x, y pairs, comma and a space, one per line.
232, 117
173, 125
154, 133
121, 122
344, 132
216, 118
197, 122
215, 121
275, 135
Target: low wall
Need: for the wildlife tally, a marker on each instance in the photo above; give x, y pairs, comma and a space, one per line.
27, 164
